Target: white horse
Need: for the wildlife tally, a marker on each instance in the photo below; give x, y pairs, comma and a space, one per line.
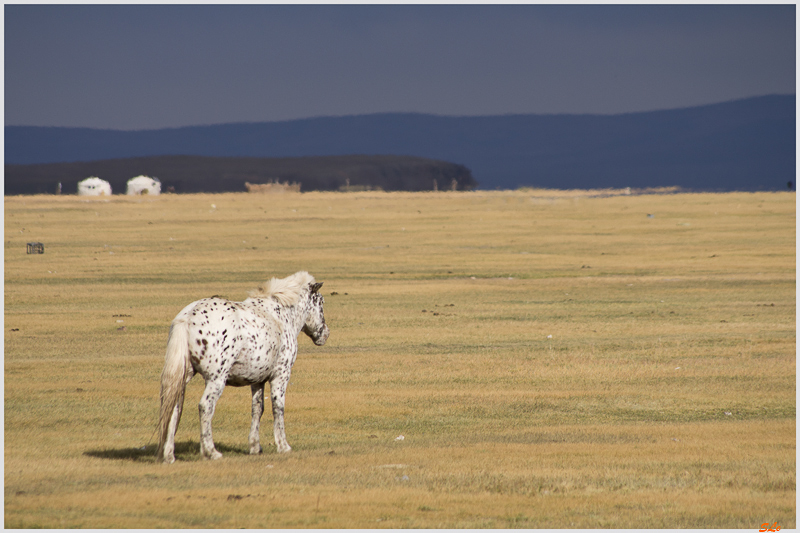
238, 343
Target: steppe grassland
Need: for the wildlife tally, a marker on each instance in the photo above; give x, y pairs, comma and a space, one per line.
551, 359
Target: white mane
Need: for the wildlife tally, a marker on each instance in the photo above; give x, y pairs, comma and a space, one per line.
285, 291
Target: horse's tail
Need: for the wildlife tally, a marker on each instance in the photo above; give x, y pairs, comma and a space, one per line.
173, 377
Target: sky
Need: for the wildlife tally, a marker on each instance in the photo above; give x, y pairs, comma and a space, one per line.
133, 67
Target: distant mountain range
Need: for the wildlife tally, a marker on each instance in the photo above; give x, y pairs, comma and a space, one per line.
740, 145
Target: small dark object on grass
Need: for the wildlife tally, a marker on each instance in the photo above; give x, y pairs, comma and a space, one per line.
35, 248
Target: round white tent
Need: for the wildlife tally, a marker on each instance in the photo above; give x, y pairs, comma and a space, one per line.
144, 185
94, 186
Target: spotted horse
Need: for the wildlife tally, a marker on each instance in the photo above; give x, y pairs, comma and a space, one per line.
238, 343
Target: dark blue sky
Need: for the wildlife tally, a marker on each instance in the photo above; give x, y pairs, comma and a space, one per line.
152, 66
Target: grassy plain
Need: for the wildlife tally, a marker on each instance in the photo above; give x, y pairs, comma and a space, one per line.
551, 359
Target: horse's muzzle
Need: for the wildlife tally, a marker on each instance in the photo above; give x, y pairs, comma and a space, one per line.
320, 340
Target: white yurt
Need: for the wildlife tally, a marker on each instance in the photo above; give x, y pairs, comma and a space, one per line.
144, 185
94, 186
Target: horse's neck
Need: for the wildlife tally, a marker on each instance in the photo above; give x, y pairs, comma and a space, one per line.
291, 318
295, 318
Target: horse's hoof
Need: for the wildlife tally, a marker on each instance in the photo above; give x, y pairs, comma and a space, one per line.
255, 450
169, 460
214, 456
285, 450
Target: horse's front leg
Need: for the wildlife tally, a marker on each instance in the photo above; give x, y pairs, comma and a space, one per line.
208, 403
278, 393
258, 410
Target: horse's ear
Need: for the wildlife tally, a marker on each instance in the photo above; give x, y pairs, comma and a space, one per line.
315, 287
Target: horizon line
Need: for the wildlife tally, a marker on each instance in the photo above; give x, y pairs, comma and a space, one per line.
407, 113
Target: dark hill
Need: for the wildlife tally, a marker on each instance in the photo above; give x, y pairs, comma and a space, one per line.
741, 145
221, 174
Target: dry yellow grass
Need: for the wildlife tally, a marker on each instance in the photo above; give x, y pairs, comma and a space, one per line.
575, 359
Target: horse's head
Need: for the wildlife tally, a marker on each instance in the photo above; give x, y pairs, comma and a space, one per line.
315, 326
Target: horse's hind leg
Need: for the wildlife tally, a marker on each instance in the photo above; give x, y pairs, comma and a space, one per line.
258, 410
208, 403
169, 445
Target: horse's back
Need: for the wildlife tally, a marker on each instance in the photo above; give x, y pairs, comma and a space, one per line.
230, 339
